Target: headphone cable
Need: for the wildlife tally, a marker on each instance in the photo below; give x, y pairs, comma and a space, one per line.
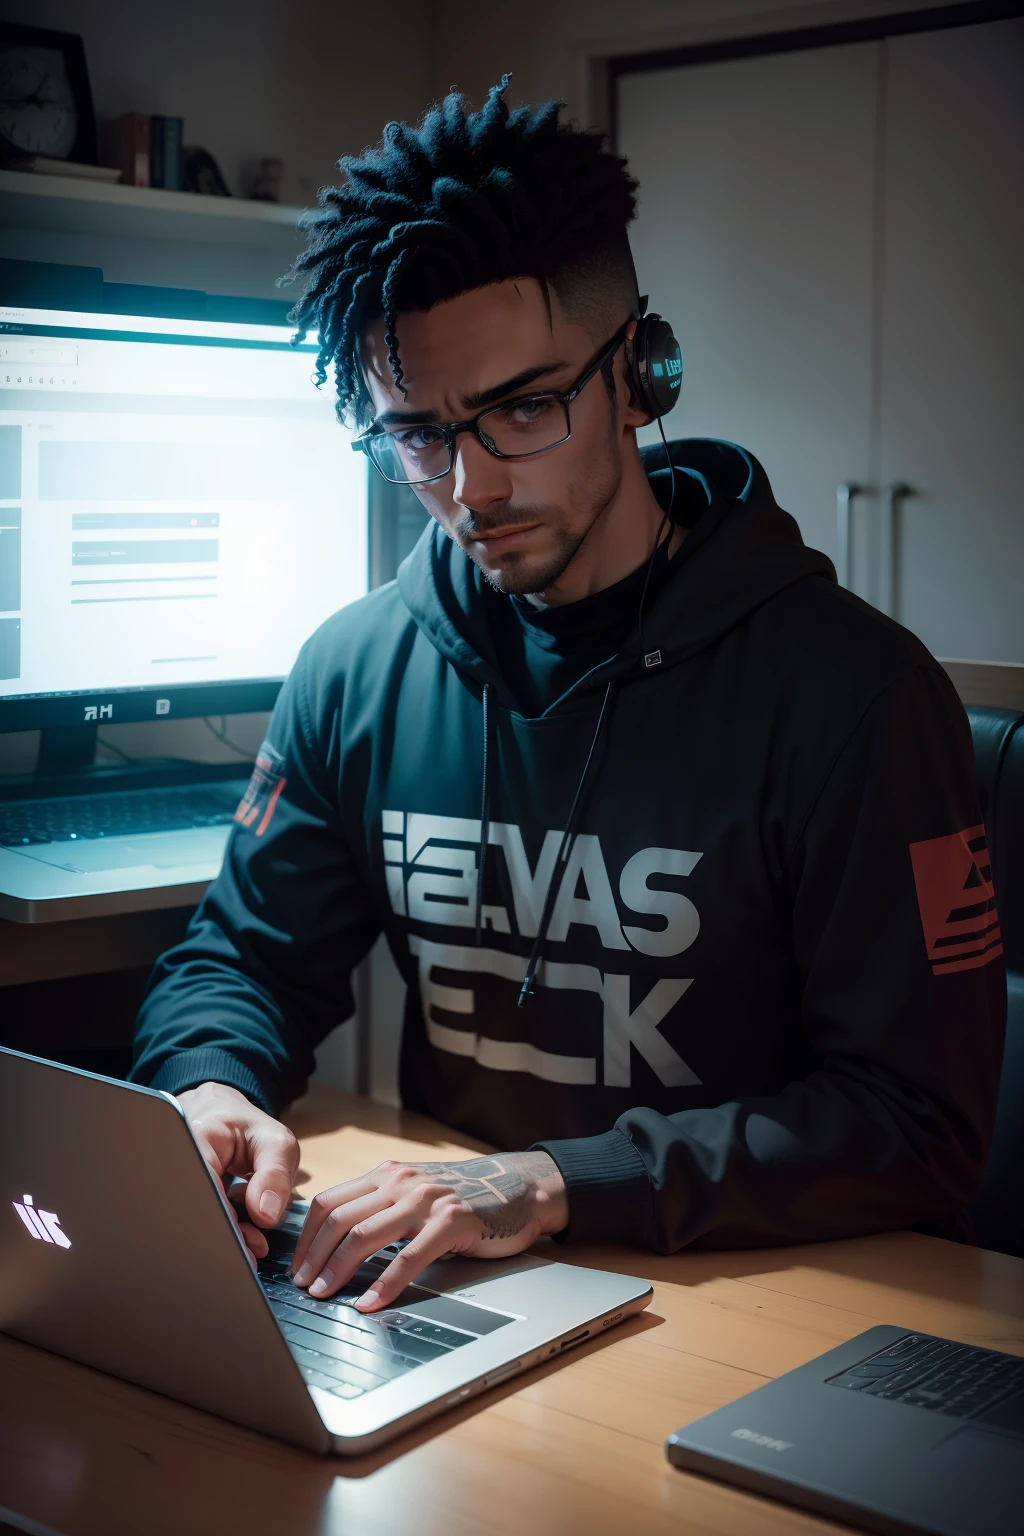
562, 856
534, 960
666, 518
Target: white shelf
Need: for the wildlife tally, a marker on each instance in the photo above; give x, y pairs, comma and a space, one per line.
71, 205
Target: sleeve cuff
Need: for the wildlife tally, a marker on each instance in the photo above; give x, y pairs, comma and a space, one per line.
609, 1189
208, 1064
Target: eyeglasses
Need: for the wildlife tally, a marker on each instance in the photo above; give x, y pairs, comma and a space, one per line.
420, 452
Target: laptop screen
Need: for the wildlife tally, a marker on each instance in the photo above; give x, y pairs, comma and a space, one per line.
178, 504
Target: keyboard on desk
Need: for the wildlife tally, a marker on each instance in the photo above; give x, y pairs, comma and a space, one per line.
348, 1352
119, 814
946, 1377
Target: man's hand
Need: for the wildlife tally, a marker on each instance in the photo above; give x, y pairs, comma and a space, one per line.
238, 1139
487, 1207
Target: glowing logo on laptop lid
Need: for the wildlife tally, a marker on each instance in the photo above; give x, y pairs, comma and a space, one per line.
43, 1225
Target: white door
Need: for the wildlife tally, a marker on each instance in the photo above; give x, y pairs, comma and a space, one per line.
755, 239
952, 404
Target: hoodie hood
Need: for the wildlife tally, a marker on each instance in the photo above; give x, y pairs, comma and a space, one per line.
741, 550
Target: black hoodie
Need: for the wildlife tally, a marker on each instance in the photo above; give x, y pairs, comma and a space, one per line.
770, 1006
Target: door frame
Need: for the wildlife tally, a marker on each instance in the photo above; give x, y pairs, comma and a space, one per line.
933, 18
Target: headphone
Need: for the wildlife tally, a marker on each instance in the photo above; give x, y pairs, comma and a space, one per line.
654, 363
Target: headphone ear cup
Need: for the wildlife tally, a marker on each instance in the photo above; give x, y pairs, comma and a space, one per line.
657, 366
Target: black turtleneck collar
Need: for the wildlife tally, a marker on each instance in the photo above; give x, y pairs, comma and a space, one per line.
542, 651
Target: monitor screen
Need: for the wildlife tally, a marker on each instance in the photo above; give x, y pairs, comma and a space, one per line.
179, 510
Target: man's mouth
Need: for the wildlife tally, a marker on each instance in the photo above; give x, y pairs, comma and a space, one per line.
500, 540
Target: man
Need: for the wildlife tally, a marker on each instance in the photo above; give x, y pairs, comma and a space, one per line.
755, 996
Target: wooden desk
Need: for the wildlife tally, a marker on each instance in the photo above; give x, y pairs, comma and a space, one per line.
87, 946
571, 1447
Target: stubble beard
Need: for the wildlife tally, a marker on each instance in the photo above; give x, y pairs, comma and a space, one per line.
518, 575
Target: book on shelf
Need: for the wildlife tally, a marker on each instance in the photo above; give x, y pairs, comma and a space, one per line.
125, 142
165, 137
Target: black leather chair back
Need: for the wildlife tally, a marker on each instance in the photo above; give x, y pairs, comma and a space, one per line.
998, 1212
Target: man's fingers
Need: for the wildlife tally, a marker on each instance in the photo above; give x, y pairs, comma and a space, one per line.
275, 1162
214, 1144
323, 1206
435, 1240
390, 1225
254, 1239
335, 1227
243, 1228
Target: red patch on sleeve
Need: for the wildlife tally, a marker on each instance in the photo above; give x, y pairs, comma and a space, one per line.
262, 792
953, 876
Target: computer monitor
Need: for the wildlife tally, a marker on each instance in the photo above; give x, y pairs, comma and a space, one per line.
179, 507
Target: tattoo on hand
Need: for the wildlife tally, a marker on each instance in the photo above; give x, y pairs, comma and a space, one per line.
498, 1189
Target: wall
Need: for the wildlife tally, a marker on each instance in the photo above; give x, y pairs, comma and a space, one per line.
255, 78
552, 49
311, 81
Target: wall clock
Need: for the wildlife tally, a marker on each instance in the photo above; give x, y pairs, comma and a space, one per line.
45, 101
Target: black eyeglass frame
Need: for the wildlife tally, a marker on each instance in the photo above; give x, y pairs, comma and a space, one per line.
450, 430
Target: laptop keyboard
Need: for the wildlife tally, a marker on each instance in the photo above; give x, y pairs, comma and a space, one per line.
25, 822
950, 1378
348, 1352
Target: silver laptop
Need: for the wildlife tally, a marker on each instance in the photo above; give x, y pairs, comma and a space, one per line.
117, 1249
126, 850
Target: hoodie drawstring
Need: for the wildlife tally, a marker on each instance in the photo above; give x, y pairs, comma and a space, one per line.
563, 854
567, 836
485, 816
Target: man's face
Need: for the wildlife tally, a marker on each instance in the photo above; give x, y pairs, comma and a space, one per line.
520, 520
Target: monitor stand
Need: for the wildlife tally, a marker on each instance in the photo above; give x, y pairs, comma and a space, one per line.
66, 749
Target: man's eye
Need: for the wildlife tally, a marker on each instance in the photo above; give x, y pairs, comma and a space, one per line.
526, 413
417, 439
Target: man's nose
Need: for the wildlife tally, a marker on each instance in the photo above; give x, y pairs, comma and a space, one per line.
480, 478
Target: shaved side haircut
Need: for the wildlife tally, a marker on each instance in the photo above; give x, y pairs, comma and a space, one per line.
462, 200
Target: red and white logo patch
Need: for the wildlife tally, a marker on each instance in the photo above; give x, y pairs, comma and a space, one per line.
953, 876
263, 790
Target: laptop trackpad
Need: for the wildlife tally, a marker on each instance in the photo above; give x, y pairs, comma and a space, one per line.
164, 850
1009, 1414
973, 1457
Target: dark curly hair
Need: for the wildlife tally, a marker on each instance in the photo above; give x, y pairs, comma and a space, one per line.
461, 200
